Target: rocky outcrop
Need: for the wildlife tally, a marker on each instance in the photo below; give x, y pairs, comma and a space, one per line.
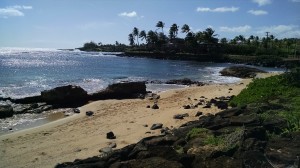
241, 71
71, 96
65, 95
184, 81
6, 111
121, 91
232, 138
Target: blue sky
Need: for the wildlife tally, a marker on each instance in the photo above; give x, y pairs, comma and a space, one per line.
70, 23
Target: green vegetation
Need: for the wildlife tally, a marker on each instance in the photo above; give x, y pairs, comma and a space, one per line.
196, 132
281, 92
214, 141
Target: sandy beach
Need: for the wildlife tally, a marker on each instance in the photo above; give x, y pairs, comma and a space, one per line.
80, 136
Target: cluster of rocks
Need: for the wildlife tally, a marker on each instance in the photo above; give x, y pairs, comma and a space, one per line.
235, 137
219, 102
68, 96
241, 71
184, 81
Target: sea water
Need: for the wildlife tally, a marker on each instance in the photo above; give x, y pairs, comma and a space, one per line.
26, 72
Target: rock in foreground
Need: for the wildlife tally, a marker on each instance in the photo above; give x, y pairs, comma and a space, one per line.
64, 95
241, 71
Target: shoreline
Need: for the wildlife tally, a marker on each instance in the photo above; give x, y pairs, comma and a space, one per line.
79, 136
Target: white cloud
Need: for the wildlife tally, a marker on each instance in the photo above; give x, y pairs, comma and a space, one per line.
281, 31
6, 12
239, 29
262, 2
258, 12
129, 14
13, 11
27, 7
220, 9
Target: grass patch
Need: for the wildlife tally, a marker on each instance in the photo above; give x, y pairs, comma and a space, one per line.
283, 89
214, 140
196, 132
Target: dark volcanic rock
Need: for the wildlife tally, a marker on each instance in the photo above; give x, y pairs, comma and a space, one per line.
184, 81
6, 111
180, 116
152, 162
241, 71
89, 113
221, 105
156, 126
230, 112
244, 120
155, 106
121, 91
28, 100
255, 159
64, 95
284, 151
199, 113
110, 135
186, 106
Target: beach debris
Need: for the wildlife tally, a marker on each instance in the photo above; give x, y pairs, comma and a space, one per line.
202, 97
180, 116
148, 106
156, 126
230, 89
89, 113
155, 106
110, 135
148, 132
145, 125
76, 110
199, 113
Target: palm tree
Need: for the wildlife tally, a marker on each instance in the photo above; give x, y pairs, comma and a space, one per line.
152, 37
223, 41
143, 35
272, 37
185, 28
199, 37
131, 39
135, 33
173, 31
161, 25
209, 36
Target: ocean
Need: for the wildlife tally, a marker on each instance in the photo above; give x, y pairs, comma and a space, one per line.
26, 72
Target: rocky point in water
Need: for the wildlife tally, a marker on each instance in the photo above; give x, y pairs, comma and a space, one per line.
241, 71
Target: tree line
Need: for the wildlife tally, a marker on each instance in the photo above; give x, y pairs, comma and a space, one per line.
204, 42
193, 41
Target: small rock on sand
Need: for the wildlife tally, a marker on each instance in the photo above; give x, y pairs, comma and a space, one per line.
156, 126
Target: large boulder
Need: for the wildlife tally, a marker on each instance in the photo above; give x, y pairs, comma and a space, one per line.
241, 71
6, 111
65, 95
121, 91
